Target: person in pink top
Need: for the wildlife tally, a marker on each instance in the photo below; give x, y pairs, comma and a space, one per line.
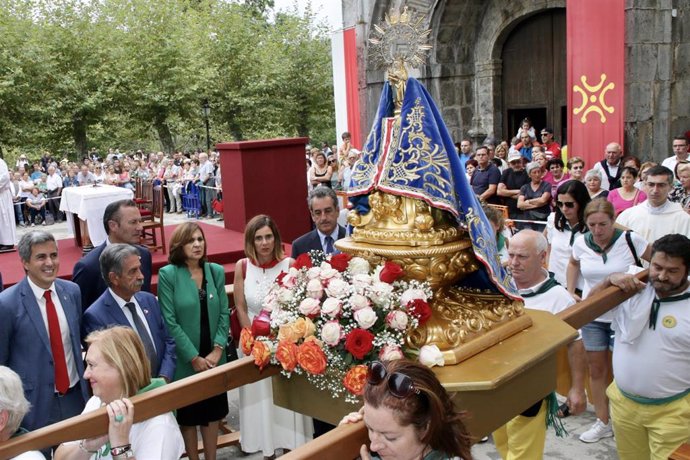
627, 195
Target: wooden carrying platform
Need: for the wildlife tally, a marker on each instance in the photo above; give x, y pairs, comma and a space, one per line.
508, 378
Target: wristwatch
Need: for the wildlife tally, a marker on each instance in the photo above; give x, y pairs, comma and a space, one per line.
122, 452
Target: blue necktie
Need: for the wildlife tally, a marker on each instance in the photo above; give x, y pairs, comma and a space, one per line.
329, 245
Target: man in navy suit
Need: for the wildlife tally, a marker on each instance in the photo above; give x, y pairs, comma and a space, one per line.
122, 222
124, 304
323, 207
40, 319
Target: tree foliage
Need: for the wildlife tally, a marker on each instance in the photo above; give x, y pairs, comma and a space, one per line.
133, 73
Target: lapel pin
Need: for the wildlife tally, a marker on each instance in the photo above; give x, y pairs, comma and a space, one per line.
146, 311
210, 296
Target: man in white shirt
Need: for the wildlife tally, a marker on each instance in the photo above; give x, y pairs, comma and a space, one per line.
206, 176
524, 435
680, 153
54, 189
611, 166
650, 396
657, 216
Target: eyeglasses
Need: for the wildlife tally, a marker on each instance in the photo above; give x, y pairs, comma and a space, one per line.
544, 134
399, 385
567, 204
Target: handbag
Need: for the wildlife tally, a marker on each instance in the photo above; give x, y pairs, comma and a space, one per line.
230, 349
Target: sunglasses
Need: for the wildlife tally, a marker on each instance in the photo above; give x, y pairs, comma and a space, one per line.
399, 385
567, 204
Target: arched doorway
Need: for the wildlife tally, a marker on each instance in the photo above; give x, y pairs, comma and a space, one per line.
534, 74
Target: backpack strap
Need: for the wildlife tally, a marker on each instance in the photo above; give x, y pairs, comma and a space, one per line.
628, 239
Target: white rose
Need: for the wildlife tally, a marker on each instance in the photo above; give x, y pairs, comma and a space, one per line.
410, 295
397, 320
309, 307
390, 353
361, 282
358, 266
431, 356
331, 333
380, 292
332, 307
337, 287
313, 272
328, 272
366, 317
270, 302
358, 301
314, 289
285, 295
290, 279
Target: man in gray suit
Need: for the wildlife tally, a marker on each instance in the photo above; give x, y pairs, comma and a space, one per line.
40, 321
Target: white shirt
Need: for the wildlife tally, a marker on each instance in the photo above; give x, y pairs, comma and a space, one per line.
654, 222
64, 326
333, 235
53, 182
560, 252
653, 363
670, 163
157, 438
128, 314
618, 259
555, 300
604, 178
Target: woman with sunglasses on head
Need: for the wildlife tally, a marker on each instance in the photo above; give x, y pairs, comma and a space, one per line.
564, 226
409, 415
604, 250
627, 195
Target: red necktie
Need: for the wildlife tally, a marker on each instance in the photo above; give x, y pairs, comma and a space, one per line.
61, 376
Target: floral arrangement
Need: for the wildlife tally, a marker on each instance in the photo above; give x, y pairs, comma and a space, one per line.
330, 315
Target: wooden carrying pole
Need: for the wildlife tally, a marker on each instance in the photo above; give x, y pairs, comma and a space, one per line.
155, 402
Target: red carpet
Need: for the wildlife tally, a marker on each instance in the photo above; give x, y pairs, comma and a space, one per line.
224, 247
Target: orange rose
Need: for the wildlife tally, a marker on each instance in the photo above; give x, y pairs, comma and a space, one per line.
288, 332
261, 354
311, 358
355, 379
246, 341
286, 354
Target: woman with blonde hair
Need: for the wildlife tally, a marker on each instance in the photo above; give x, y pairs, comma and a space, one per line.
117, 368
191, 292
263, 425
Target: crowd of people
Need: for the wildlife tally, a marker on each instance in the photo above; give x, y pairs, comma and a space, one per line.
36, 186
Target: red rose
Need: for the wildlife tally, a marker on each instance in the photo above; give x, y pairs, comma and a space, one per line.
261, 326
340, 261
391, 272
302, 261
420, 309
279, 278
359, 342
355, 379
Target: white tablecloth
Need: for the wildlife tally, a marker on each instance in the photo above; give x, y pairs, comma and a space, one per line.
89, 203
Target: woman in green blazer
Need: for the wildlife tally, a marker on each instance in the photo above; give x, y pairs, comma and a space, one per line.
191, 292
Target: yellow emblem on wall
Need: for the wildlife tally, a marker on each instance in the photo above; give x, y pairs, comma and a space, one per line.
593, 98
669, 322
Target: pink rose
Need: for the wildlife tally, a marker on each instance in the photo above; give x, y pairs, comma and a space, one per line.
331, 333
314, 289
309, 307
397, 320
390, 352
358, 301
332, 307
410, 295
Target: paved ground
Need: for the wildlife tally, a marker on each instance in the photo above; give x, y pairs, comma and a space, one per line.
569, 448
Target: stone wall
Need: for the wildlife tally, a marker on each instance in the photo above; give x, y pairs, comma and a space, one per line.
463, 72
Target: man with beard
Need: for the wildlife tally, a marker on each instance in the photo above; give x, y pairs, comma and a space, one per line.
650, 396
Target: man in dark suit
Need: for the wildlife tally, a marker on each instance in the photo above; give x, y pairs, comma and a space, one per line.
124, 304
40, 319
323, 207
122, 222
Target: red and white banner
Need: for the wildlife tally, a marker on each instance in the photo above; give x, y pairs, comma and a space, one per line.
596, 76
346, 85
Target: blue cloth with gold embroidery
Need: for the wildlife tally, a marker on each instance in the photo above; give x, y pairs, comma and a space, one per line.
420, 161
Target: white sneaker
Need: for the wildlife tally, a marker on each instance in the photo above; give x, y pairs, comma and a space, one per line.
597, 432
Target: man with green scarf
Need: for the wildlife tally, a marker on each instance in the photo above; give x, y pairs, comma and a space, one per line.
650, 395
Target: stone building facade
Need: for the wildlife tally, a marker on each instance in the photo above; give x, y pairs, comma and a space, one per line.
482, 49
